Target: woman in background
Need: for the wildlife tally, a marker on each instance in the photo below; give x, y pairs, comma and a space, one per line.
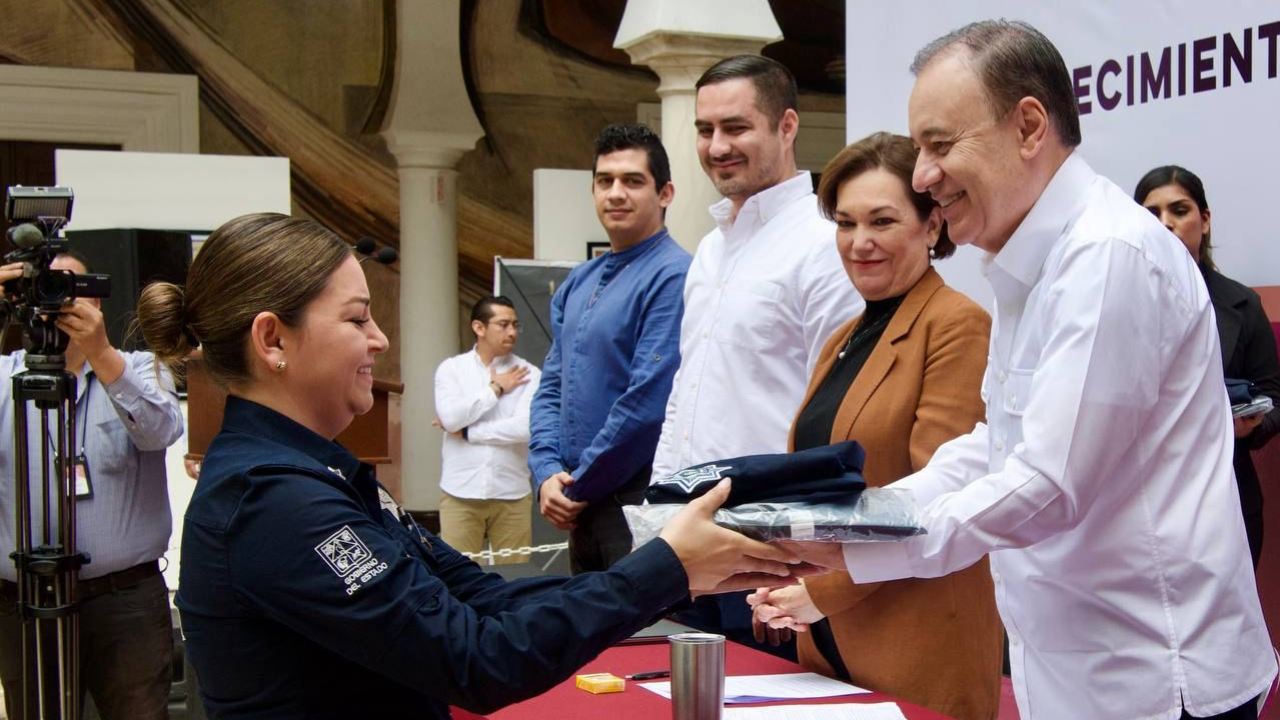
1176, 197
901, 379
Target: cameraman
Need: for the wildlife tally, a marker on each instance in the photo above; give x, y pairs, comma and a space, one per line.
126, 415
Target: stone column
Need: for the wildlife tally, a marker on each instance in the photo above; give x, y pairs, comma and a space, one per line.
679, 40
430, 126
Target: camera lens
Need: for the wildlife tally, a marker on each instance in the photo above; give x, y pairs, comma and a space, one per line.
51, 288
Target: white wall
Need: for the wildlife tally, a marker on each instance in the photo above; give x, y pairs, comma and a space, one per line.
169, 191
564, 215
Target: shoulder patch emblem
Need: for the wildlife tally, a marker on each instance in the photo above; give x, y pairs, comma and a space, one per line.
388, 503
344, 551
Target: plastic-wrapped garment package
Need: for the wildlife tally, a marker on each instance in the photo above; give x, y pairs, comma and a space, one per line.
877, 515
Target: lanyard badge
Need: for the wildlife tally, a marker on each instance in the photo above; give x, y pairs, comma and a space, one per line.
80, 475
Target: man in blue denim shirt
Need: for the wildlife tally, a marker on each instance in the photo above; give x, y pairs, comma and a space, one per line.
615, 325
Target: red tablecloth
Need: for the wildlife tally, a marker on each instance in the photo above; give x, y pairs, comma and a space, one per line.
566, 702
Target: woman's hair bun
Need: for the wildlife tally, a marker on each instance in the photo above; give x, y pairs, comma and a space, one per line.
162, 320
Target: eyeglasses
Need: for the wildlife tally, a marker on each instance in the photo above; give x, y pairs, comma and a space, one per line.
504, 324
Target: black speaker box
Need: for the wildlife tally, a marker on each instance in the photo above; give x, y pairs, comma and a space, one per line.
133, 258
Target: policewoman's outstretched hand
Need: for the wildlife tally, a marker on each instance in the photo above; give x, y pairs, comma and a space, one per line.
719, 560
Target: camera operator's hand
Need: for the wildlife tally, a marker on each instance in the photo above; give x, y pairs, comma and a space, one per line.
82, 321
12, 271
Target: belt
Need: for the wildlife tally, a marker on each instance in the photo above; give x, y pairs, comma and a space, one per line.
93, 587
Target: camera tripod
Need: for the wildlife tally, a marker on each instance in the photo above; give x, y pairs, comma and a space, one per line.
45, 555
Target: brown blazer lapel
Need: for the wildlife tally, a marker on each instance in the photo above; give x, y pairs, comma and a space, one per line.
882, 357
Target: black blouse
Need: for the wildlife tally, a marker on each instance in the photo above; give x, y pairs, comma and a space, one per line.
813, 426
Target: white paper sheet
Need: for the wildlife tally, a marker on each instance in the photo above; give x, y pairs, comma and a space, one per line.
842, 711
764, 688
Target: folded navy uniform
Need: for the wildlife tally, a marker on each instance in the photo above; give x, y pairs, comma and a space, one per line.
1245, 399
831, 473
1240, 392
817, 494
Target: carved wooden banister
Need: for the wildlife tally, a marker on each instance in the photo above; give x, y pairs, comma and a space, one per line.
334, 179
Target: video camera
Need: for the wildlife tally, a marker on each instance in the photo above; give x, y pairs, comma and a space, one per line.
39, 213
37, 297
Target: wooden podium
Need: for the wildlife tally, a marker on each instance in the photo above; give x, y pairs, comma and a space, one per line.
366, 437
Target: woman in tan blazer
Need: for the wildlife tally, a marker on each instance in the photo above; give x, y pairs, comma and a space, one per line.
901, 379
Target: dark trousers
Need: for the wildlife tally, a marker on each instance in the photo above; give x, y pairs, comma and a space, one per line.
1253, 530
126, 652
602, 537
1247, 711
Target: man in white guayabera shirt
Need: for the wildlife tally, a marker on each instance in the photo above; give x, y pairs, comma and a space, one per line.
766, 289
482, 404
1101, 483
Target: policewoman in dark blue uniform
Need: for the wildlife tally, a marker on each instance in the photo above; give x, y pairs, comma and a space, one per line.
305, 592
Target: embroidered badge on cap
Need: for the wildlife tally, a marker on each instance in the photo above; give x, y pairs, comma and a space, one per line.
690, 478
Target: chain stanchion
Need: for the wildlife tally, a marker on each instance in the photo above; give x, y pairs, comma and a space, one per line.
486, 555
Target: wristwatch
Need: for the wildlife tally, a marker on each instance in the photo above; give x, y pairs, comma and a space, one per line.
497, 389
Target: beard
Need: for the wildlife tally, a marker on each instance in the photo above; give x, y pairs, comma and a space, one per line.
753, 178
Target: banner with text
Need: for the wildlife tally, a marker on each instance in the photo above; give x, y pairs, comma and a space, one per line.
1158, 82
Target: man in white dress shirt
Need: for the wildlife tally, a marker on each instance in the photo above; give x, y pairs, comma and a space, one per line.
765, 291
1101, 483
482, 404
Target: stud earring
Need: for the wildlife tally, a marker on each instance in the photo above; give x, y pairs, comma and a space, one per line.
281, 365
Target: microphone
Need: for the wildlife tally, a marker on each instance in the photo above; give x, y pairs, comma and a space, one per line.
368, 247
25, 236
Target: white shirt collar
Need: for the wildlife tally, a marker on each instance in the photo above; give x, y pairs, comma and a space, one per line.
1023, 256
765, 204
497, 362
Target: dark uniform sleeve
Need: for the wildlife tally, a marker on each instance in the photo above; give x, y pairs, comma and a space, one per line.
307, 556
487, 593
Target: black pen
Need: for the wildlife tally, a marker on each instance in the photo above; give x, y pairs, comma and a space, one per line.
650, 675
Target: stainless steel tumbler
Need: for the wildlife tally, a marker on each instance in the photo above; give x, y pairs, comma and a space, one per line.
697, 676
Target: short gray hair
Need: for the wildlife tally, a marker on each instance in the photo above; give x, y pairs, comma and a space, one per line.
1013, 60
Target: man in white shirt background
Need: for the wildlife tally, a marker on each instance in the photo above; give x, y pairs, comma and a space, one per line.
482, 404
1101, 483
765, 291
